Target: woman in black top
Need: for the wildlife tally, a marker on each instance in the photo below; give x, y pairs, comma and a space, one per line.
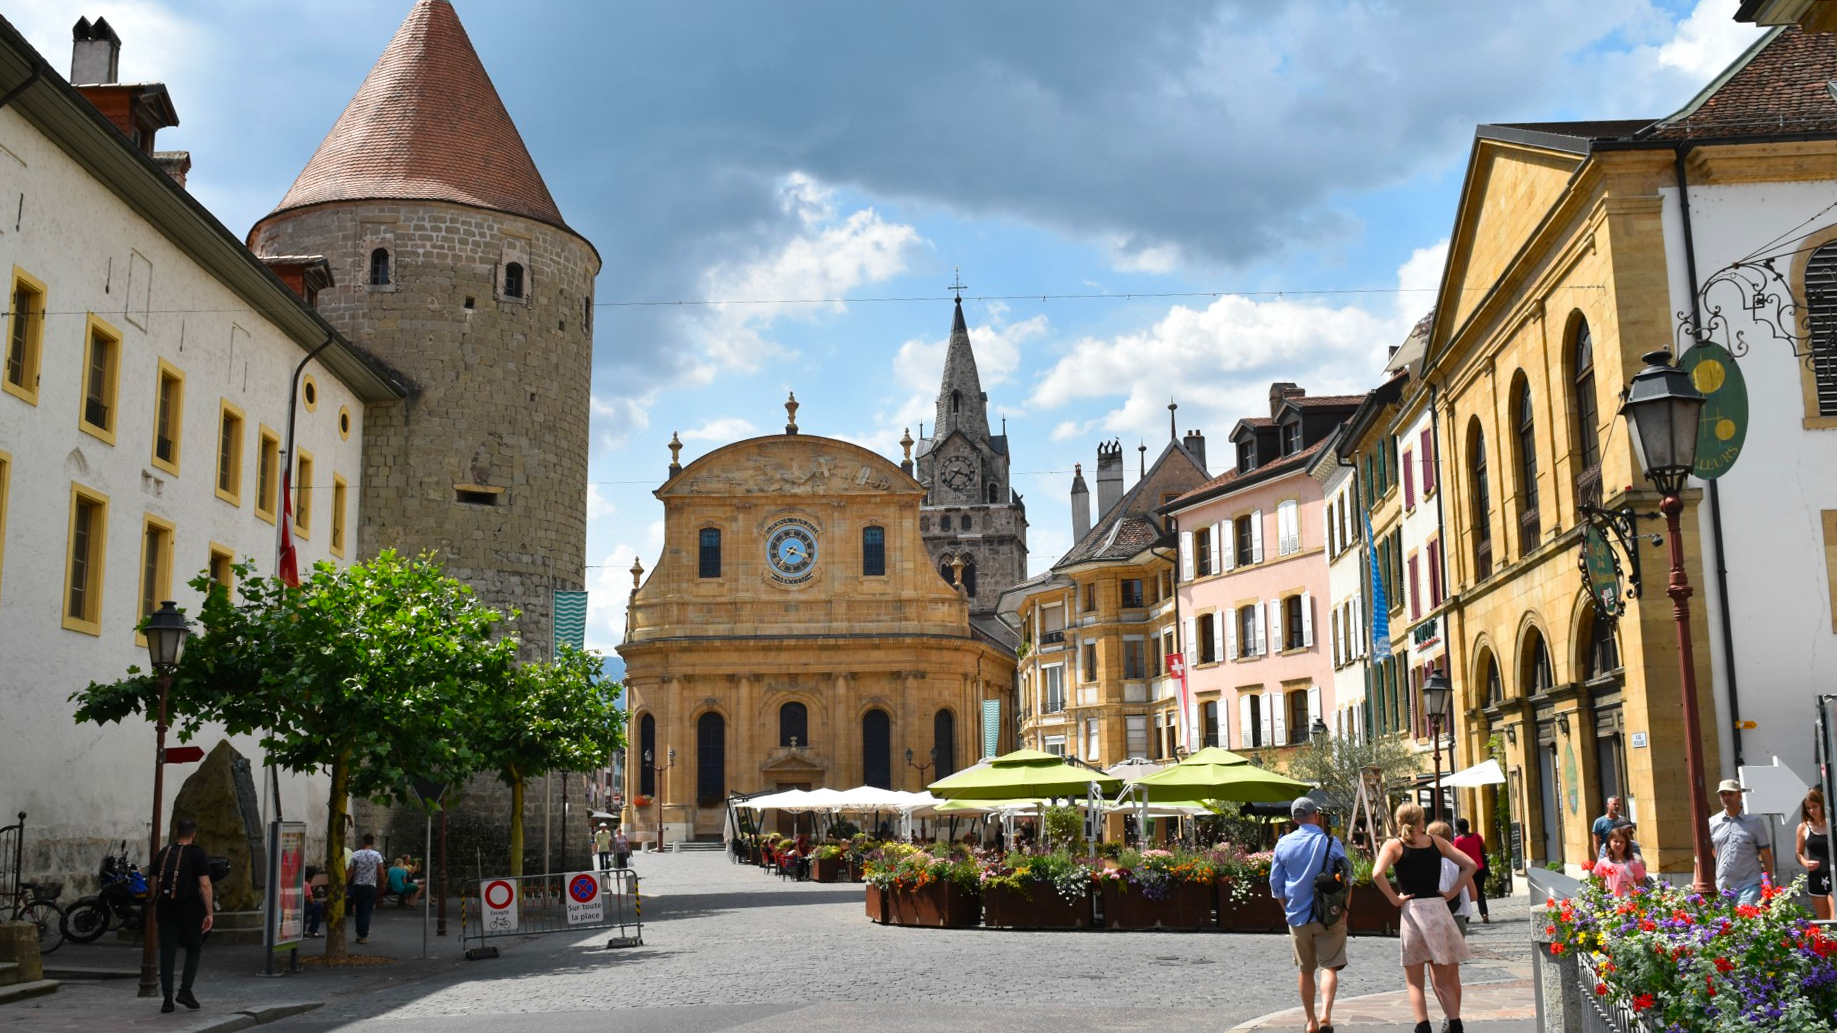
1429, 933
1815, 852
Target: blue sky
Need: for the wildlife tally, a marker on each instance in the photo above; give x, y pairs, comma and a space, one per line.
1263, 156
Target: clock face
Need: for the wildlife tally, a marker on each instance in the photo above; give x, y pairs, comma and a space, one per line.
958, 472
790, 551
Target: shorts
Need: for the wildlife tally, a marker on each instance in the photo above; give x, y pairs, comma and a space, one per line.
1749, 894
1819, 885
1319, 946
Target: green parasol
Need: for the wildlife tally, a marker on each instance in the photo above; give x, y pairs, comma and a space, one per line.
1023, 774
1219, 774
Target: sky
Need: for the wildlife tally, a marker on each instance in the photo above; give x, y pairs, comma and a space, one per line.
1177, 201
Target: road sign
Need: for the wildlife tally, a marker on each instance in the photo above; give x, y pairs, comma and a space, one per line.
585, 903
184, 754
500, 900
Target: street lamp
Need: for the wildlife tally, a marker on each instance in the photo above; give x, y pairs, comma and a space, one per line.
658, 770
165, 631
1662, 410
1319, 731
922, 768
1437, 698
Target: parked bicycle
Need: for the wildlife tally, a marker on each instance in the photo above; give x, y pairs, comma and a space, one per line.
34, 902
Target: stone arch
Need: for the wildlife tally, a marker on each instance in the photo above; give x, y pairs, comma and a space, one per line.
709, 724
876, 726
647, 744
1594, 643
1532, 636
944, 735
1485, 667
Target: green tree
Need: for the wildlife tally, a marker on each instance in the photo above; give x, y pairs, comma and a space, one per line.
1337, 763
561, 715
364, 672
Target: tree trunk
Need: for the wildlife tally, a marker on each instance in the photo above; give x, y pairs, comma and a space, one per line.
334, 856
516, 822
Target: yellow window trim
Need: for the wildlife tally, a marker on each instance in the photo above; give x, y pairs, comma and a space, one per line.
219, 550
303, 473
97, 576
309, 393
227, 408
35, 338
6, 474
167, 369
162, 574
91, 327
266, 502
340, 498
344, 423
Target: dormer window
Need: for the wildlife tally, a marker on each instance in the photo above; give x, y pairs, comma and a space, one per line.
1246, 456
1291, 438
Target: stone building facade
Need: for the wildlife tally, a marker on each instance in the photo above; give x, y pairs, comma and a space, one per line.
795, 634
972, 513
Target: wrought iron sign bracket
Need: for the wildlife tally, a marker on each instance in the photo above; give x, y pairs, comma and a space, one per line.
1763, 295
1622, 526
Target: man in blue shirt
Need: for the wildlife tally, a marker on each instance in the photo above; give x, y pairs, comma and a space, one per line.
1300, 856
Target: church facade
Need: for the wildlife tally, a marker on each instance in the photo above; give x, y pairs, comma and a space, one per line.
795, 633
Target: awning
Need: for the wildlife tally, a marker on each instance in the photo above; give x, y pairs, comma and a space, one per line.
1485, 773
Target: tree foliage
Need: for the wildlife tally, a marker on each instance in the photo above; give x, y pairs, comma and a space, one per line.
370, 673
1337, 763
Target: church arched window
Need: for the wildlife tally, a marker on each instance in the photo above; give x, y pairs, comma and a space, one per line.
873, 552
379, 267
877, 749
956, 401
710, 565
647, 749
710, 759
969, 522
793, 724
944, 522
944, 743
994, 494
969, 579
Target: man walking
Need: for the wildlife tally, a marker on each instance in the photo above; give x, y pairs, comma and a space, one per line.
1473, 846
1597, 833
1742, 845
182, 895
602, 847
1301, 856
361, 879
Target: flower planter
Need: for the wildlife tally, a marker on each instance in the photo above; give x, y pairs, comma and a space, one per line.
1259, 914
826, 869
877, 909
1039, 907
1371, 914
1188, 906
854, 872
939, 905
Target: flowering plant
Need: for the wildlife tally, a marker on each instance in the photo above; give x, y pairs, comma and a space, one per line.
1069, 876
1685, 962
828, 852
1246, 875
903, 866
1156, 872
640, 802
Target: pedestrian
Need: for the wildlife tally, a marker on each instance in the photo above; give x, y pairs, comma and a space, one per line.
362, 876
1429, 935
1300, 858
182, 910
1742, 845
316, 892
1461, 906
1620, 867
1814, 853
621, 848
602, 847
1597, 833
1467, 842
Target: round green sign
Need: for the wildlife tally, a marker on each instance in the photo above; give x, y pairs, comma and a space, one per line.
1603, 572
1724, 424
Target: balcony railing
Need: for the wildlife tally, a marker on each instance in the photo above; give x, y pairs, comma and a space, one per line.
1588, 486
1530, 530
1052, 638
1483, 557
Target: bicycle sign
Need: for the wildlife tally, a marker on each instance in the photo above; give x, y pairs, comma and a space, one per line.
585, 905
500, 911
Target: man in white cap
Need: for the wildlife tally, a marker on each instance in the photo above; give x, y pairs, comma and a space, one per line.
1742, 844
1300, 857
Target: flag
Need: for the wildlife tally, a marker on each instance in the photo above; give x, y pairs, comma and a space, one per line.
570, 620
289, 565
991, 727
1380, 611
1176, 669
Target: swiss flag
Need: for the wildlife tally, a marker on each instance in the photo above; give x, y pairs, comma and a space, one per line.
290, 562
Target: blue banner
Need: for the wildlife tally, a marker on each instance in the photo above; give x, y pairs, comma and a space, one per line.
570, 619
991, 726
1380, 609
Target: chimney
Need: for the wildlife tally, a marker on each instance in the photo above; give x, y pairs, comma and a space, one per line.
1081, 505
1195, 443
1280, 391
95, 53
1109, 476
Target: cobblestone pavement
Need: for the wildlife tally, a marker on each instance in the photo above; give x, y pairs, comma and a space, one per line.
727, 947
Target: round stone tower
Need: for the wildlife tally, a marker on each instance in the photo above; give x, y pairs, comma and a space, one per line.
454, 266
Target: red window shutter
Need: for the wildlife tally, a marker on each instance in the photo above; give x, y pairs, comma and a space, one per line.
1428, 462
1415, 592
1409, 481
1435, 574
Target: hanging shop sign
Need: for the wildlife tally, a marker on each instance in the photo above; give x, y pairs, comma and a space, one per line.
1723, 426
1602, 569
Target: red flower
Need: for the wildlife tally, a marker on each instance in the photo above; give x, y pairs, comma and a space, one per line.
1549, 930
1646, 926
1747, 911
1643, 1002
1724, 965
1600, 989
1556, 948
1588, 866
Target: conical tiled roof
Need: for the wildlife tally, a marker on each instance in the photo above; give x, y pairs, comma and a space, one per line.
961, 405
427, 125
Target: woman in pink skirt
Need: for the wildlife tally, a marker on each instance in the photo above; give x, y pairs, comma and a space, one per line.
1430, 935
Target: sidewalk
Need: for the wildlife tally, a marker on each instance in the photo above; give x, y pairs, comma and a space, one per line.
99, 981
1485, 1008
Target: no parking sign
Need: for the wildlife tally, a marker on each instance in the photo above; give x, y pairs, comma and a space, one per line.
500, 899
585, 905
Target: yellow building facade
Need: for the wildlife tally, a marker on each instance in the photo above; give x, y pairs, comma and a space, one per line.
794, 634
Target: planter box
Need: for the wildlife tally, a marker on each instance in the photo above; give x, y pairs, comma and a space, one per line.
877, 904
855, 873
941, 905
1371, 914
1259, 914
1188, 906
1044, 909
826, 870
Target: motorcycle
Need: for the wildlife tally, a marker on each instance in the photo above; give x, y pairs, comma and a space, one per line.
121, 901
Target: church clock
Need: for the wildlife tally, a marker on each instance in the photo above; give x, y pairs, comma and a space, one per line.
790, 551
959, 473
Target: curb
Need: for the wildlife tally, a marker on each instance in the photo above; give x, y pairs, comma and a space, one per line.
247, 1017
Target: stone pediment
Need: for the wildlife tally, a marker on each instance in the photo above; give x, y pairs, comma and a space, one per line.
792, 765
789, 464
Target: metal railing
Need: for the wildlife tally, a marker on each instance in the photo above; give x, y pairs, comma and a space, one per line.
1051, 638
1599, 1014
1588, 486
574, 902
12, 855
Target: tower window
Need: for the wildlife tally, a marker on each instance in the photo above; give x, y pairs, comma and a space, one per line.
513, 280
956, 401
944, 522
710, 558
994, 494
379, 267
873, 552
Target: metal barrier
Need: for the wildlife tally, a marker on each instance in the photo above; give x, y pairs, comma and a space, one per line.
559, 903
1600, 1015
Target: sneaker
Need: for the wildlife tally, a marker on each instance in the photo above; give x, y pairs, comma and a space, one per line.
185, 998
363, 939
166, 1005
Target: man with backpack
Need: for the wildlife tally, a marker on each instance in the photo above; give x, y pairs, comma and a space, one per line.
1312, 878
182, 909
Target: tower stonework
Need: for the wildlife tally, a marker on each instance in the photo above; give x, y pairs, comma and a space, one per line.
971, 511
454, 266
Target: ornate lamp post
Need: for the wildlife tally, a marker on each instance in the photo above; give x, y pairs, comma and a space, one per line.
1319, 731
165, 631
922, 768
1437, 697
659, 769
1662, 409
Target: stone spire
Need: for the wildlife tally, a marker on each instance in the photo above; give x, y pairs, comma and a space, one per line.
961, 403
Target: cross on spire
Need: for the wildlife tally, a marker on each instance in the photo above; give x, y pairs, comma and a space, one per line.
957, 286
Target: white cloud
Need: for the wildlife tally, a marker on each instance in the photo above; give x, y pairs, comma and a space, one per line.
599, 506
1706, 41
617, 417
609, 587
722, 430
919, 363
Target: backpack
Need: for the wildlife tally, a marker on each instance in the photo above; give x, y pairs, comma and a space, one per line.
1332, 886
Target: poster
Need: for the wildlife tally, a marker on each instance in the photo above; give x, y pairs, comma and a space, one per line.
286, 896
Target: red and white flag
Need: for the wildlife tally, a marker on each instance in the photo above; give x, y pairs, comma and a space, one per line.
289, 567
